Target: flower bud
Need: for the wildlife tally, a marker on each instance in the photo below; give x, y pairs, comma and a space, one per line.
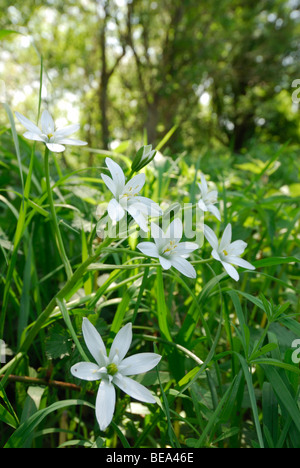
144, 155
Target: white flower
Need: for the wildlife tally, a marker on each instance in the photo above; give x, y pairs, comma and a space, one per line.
208, 199
127, 198
113, 370
55, 139
227, 252
168, 248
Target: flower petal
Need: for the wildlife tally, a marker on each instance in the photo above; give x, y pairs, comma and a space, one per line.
133, 388
226, 237
70, 141
158, 235
231, 271
240, 262
215, 211
135, 184
139, 363
47, 123
174, 230
94, 342
115, 210
138, 217
185, 248
215, 255
148, 206
28, 124
105, 404
183, 266
165, 263
121, 343
148, 248
237, 248
86, 371
211, 237
202, 205
66, 131
34, 136
55, 147
109, 184
117, 174
203, 185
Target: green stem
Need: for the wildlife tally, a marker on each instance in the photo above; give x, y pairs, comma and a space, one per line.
43, 317
58, 237
77, 276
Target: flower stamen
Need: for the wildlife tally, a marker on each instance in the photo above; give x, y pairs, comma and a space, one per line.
112, 369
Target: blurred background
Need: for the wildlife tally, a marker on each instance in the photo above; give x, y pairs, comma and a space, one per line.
225, 73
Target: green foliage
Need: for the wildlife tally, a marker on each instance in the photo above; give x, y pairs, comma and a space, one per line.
227, 378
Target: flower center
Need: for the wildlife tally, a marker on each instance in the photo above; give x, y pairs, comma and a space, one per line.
131, 192
170, 247
225, 252
112, 369
50, 135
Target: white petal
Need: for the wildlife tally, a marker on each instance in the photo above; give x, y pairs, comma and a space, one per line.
66, 131
28, 124
185, 248
211, 237
165, 263
215, 211
226, 238
174, 230
202, 205
203, 186
240, 262
135, 184
105, 404
109, 184
148, 248
115, 210
116, 173
158, 235
70, 141
184, 267
138, 217
236, 248
34, 136
121, 343
139, 363
215, 255
133, 388
212, 197
55, 148
231, 271
86, 371
47, 123
150, 207
94, 342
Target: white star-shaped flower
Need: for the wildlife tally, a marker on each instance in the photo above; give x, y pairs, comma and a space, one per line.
127, 198
227, 252
208, 199
113, 369
168, 248
54, 138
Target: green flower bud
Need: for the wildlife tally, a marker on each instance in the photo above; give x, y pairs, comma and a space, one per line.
144, 155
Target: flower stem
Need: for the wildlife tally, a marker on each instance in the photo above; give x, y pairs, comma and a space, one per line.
58, 237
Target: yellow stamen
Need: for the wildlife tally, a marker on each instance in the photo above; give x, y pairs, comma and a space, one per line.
170, 247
